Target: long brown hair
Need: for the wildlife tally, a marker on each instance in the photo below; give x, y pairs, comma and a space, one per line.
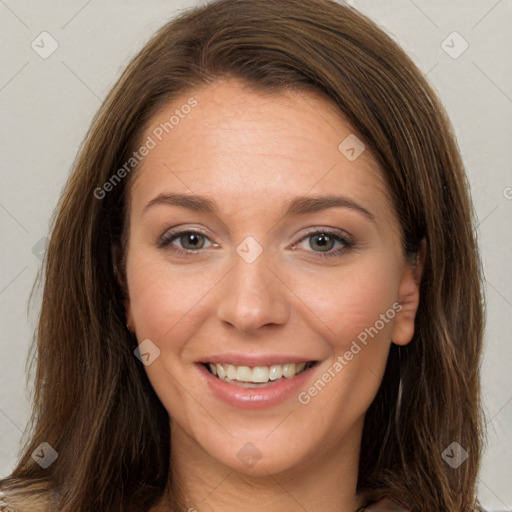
93, 402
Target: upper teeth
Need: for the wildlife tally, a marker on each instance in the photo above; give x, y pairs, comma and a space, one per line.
258, 374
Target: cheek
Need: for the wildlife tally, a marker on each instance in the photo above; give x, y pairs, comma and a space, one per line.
163, 300
353, 311
352, 303
166, 305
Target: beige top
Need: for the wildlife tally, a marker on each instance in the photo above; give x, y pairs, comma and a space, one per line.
382, 505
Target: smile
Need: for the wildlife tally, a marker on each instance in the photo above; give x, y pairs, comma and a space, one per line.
257, 376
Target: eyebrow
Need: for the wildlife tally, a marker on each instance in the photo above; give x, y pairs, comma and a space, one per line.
298, 205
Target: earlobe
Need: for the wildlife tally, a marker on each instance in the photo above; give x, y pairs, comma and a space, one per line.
120, 277
409, 298
129, 319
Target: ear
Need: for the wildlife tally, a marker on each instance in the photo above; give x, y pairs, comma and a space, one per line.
409, 298
129, 319
120, 276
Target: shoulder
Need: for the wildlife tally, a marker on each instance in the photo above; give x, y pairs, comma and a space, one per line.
23, 502
388, 504
4, 507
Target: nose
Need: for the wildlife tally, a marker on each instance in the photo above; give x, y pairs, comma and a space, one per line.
253, 296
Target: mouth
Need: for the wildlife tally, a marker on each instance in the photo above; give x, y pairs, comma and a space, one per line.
257, 376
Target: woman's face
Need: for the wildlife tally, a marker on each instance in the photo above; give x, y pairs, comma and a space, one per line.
291, 299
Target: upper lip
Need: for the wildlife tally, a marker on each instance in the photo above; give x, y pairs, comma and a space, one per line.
254, 359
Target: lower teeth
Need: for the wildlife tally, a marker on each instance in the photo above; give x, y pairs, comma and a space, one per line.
251, 384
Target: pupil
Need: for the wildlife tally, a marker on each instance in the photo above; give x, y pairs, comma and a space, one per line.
322, 240
192, 239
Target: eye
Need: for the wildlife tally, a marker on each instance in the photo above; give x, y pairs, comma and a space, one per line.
321, 242
191, 241
324, 241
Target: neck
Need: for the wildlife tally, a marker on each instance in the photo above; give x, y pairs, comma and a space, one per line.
325, 481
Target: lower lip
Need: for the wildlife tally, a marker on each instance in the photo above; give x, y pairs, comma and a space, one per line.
255, 398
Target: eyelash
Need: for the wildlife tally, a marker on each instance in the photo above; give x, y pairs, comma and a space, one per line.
169, 237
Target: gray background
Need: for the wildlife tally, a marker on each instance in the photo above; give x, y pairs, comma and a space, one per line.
47, 104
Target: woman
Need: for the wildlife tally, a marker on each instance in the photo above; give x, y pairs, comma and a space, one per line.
262, 289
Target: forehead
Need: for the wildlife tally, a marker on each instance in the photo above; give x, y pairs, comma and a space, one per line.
237, 144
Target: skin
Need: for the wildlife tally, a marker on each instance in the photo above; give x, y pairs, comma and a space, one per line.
252, 153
